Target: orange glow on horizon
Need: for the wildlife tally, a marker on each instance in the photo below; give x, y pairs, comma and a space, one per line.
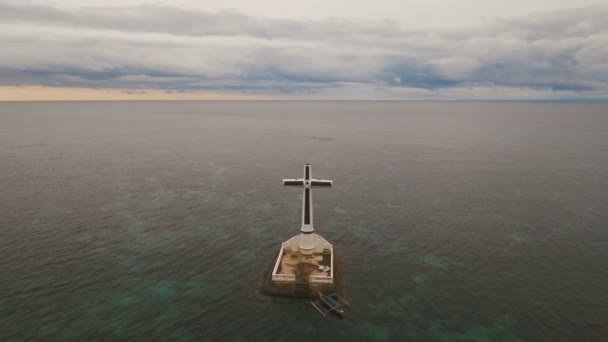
44, 93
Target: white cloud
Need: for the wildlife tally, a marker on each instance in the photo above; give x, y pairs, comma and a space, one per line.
423, 14
550, 55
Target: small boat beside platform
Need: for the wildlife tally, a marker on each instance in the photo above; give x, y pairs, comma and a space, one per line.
330, 303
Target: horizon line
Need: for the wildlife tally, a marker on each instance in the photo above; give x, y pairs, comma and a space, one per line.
41, 93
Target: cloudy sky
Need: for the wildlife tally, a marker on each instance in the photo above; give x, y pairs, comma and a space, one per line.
314, 49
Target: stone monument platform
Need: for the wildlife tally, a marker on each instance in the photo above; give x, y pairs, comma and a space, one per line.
306, 263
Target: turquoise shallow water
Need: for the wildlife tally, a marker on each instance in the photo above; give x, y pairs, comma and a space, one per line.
454, 221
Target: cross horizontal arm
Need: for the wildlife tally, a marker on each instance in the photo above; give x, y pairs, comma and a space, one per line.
298, 182
321, 183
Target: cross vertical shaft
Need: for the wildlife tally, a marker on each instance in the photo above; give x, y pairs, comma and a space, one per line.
307, 183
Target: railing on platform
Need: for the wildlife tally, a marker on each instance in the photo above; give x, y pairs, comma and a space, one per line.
281, 277
284, 277
276, 265
320, 279
331, 271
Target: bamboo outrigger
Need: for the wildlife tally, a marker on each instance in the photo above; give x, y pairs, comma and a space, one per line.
330, 303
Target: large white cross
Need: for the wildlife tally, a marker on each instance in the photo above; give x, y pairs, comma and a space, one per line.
308, 183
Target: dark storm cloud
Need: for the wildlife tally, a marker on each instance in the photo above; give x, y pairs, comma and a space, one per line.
419, 75
163, 47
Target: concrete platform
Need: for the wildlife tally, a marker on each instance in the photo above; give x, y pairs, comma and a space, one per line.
302, 288
304, 266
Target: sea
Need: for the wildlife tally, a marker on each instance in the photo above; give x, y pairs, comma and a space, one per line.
157, 221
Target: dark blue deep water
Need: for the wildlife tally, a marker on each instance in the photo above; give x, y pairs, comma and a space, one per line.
156, 220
